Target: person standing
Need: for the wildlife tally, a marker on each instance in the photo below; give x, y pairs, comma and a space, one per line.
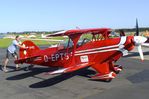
11, 50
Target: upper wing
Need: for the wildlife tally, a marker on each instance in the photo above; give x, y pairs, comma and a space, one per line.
71, 69
82, 31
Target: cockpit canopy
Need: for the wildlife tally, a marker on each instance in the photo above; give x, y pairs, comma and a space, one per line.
83, 36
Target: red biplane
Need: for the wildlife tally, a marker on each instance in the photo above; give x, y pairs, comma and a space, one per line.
100, 52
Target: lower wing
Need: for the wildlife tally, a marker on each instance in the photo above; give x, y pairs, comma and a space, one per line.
71, 69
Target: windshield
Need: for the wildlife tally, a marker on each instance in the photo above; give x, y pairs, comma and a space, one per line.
67, 43
84, 39
113, 34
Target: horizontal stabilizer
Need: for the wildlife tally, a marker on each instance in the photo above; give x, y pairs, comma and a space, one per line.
25, 60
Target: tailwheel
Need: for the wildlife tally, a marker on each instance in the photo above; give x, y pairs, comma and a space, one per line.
29, 67
108, 80
118, 68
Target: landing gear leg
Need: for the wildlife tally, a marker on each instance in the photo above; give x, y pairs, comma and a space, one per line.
115, 68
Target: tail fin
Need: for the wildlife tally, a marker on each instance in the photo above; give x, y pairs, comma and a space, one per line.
25, 53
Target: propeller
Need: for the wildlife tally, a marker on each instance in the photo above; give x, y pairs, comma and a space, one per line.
146, 43
139, 40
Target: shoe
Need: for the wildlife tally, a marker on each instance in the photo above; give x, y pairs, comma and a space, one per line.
4, 69
17, 68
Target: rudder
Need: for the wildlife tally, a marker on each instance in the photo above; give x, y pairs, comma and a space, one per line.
25, 53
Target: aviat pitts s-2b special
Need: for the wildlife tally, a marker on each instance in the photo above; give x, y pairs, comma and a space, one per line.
99, 53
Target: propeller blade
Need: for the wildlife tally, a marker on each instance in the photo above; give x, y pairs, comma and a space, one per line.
146, 44
137, 28
147, 41
140, 52
122, 33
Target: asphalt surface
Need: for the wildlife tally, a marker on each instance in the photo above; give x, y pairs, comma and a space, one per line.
131, 83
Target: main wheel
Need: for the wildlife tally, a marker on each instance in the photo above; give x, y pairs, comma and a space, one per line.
118, 68
29, 67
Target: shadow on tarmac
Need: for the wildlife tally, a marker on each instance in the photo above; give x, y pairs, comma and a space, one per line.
62, 77
139, 77
34, 71
52, 81
13, 68
132, 54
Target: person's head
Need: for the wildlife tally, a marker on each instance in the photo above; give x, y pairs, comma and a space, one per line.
17, 38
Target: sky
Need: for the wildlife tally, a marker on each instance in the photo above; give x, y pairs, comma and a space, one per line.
51, 15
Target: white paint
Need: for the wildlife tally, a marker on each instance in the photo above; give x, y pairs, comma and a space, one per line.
124, 52
46, 58
84, 58
123, 40
93, 52
100, 48
58, 71
24, 52
61, 56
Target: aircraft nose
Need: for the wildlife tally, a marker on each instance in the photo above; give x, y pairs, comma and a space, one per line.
139, 40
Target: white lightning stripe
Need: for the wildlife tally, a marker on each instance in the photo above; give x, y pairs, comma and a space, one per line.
97, 49
93, 52
58, 71
122, 41
104, 49
37, 59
